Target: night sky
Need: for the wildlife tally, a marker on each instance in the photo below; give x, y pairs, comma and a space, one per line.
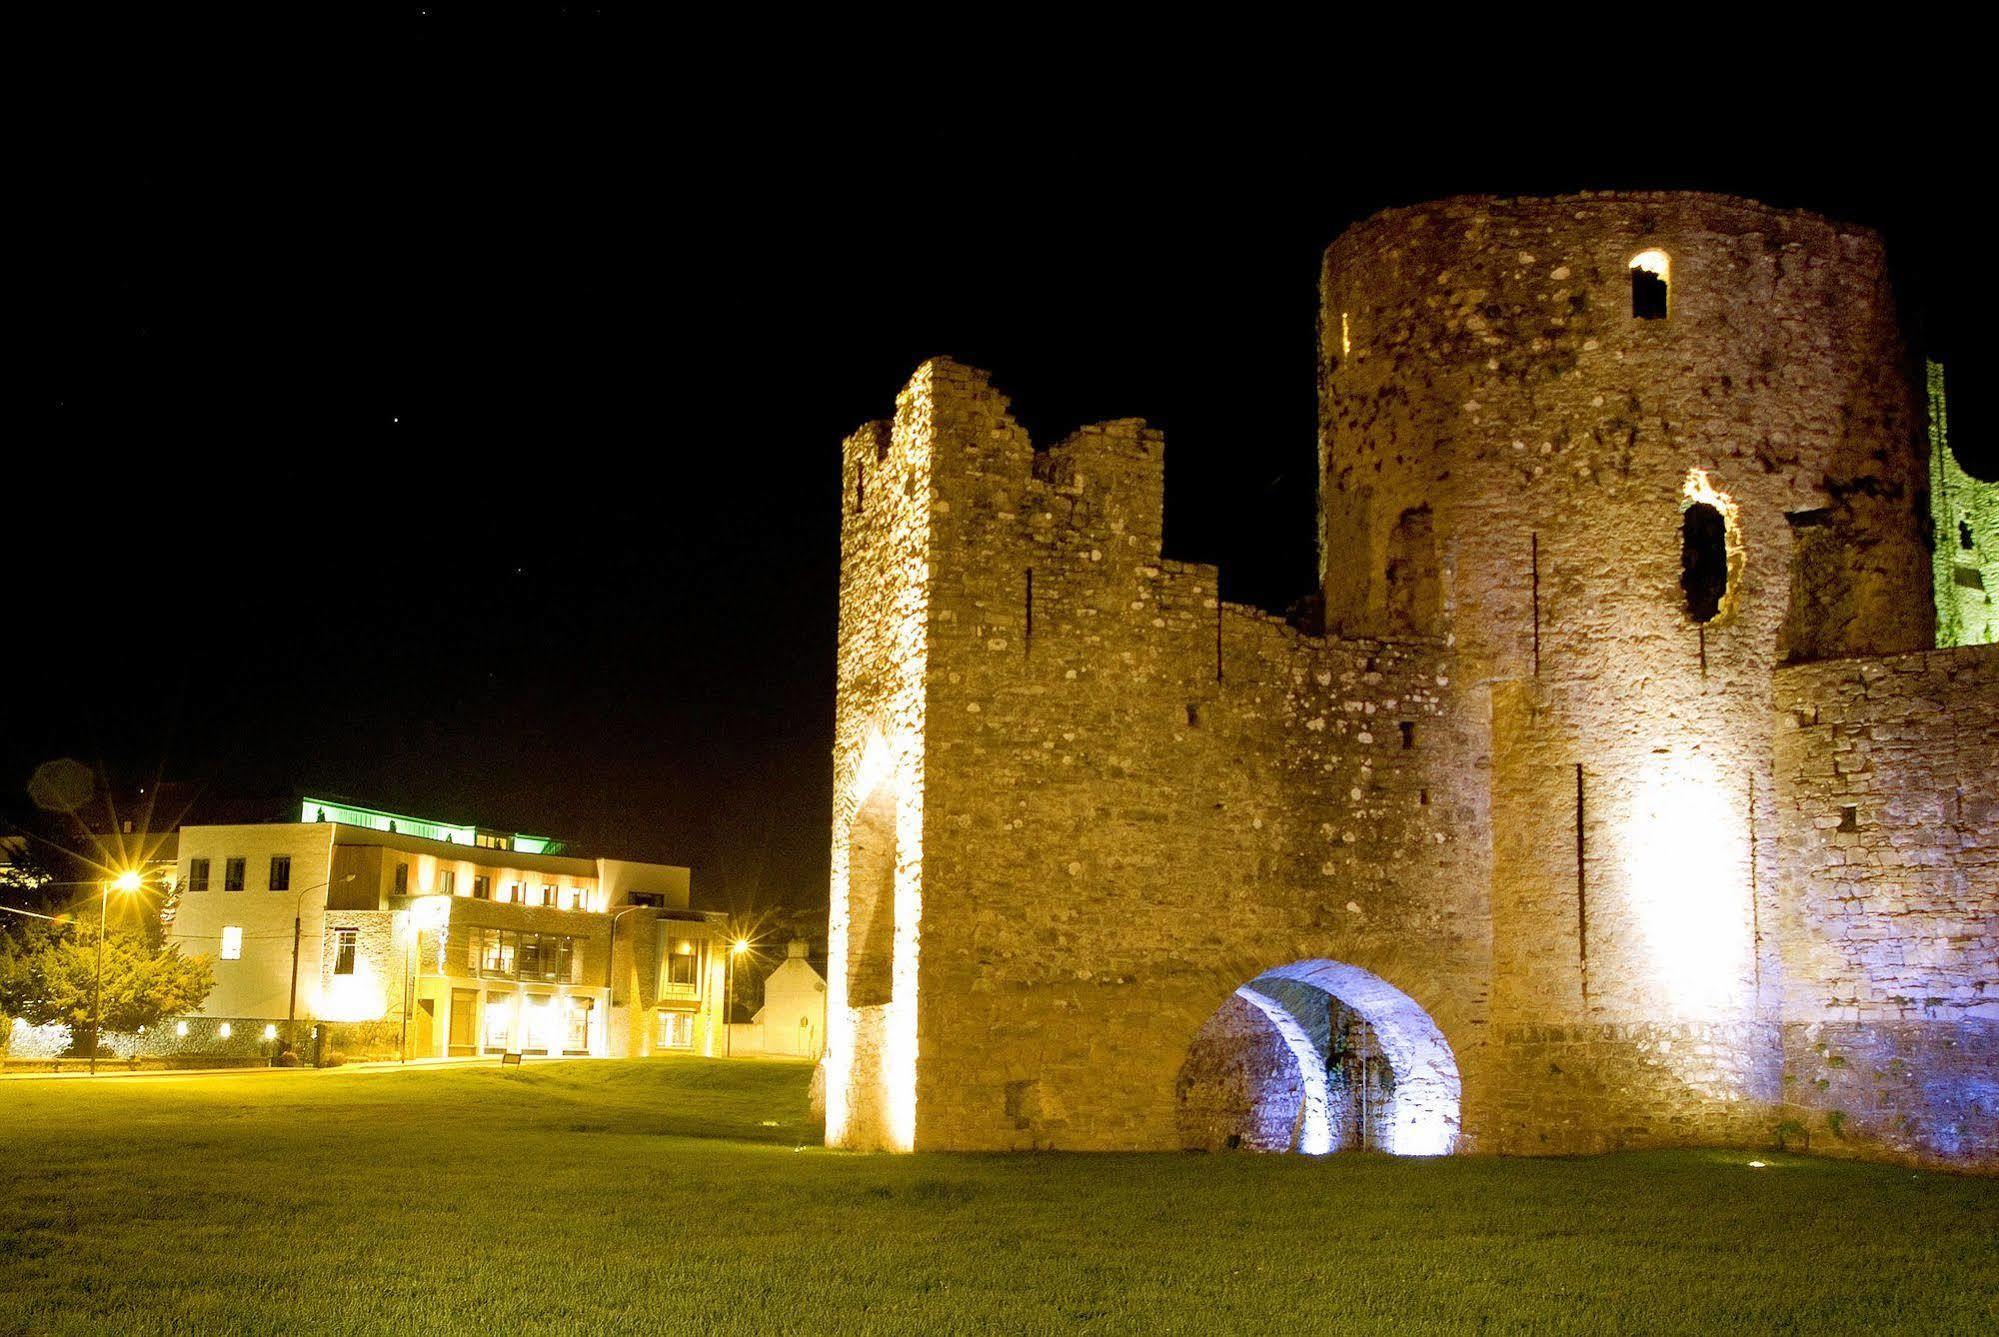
444, 411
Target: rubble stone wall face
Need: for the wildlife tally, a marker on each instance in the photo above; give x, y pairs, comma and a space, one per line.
1515, 779
1240, 1086
1888, 807
1480, 360
1150, 797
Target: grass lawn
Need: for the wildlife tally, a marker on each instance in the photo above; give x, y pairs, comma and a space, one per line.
672, 1195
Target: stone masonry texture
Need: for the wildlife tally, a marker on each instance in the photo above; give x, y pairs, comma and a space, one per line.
1497, 772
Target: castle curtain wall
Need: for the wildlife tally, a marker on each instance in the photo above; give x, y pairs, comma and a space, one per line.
1525, 776
1149, 797
1888, 825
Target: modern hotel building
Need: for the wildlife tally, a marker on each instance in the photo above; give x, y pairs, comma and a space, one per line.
379, 934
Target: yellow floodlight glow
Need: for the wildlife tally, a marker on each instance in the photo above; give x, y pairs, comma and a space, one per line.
127, 881
430, 913
739, 946
1654, 262
1688, 861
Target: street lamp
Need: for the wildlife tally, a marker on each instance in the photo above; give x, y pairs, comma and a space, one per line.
298, 912
611, 983
736, 949
424, 912
126, 882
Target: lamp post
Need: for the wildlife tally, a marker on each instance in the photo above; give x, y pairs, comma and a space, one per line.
422, 912
611, 980
736, 949
127, 882
298, 913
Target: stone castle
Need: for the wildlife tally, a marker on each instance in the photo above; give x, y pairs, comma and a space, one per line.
1611, 793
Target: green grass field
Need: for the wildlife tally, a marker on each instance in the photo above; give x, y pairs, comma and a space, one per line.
687, 1196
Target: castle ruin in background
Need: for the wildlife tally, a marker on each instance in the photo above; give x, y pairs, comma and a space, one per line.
1613, 792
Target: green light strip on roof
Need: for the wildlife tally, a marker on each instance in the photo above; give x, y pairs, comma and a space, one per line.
320, 810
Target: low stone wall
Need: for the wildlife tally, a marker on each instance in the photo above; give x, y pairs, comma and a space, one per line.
211, 1041
1922, 1092
1601, 1088
182, 1043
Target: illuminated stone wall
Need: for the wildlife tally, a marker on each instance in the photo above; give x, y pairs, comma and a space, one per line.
1481, 364
1965, 512
1240, 1086
1513, 779
878, 775
1140, 802
1888, 816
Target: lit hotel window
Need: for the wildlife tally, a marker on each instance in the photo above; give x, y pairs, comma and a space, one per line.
343, 950
681, 965
447, 882
232, 943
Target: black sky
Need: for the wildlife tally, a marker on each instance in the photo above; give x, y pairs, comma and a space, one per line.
444, 409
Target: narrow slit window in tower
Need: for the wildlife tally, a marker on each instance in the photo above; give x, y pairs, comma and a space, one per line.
1703, 560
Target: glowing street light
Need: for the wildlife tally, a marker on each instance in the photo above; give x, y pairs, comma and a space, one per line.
298, 913
736, 949
126, 882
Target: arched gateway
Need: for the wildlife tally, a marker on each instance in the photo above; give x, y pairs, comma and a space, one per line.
1320, 1056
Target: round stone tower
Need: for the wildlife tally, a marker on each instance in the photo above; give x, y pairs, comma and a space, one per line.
1628, 453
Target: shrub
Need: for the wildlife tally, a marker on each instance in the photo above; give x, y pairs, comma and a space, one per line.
332, 1058
287, 1059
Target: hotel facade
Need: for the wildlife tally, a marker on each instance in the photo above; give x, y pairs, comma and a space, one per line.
373, 934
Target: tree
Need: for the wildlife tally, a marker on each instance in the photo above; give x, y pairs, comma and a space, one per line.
27, 875
48, 973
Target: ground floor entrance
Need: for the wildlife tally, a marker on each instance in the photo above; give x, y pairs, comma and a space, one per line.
506, 1020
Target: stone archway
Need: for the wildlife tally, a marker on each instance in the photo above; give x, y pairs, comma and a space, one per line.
1320, 1056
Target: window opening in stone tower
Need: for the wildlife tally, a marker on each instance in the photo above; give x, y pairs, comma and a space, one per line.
1651, 283
1703, 560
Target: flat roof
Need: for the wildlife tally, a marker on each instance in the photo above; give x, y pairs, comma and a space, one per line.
346, 833
353, 814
